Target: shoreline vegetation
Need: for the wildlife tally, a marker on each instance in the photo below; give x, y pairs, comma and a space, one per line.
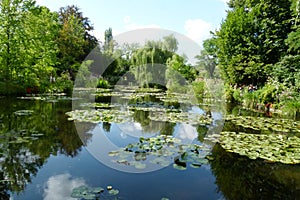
260, 67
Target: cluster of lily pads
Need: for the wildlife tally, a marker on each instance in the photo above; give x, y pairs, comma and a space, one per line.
277, 125
23, 112
149, 90
47, 97
109, 94
270, 147
103, 90
98, 105
162, 150
181, 117
101, 115
139, 95
152, 108
22, 136
91, 193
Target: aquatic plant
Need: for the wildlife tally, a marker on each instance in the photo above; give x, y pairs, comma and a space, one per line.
101, 115
270, 147
181, 117
91, 193
162, 150
270, 125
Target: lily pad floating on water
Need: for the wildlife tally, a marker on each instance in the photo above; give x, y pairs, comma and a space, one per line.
101, 115
272, 147
92, 193
181, 117
161, 150
97, 105
276, 125
113, 192
23, 112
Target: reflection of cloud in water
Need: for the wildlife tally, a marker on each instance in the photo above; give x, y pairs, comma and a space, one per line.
186, 132
133, 129
60, 187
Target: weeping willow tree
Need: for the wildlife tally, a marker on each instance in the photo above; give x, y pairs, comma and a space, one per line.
148, 63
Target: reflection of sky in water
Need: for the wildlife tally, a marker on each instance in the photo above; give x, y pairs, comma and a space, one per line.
60, 187
196, 109
119, 136
186, 132
134, 129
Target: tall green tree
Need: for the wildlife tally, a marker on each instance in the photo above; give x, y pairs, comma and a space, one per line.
208, 57
75, 40
27, 50
252, 38
109, 43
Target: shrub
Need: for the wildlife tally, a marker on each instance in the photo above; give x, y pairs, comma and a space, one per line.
102, 83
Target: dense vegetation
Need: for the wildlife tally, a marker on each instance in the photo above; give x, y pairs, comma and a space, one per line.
257, 51
41, 50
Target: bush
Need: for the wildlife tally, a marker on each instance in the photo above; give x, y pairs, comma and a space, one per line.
11, 89
199, 89
102, 83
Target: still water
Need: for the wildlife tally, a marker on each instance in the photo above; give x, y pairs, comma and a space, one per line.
43, 157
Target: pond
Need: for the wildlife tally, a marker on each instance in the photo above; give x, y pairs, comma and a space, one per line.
152, 149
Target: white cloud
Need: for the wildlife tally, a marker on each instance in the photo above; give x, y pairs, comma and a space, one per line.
197, 29
61, 186
39, 2
130, 25
225, 1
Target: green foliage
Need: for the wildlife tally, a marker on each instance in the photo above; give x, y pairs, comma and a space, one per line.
252, 37
200, 89
108, 41
11, 88
27, 50
102, 83
62, 84
178, 64
208, 57
287, 71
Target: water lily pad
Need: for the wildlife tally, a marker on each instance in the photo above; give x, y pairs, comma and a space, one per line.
161, 150
179, 167
272, 148
268, 125
113, 192
97, 190
101, 115
23, 112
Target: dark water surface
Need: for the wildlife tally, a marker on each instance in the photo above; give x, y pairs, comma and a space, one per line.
43, 157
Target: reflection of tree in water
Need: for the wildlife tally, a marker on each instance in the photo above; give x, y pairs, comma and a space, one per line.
168, 129
28, 141
106, 126
202, 131
241, 178
150, 126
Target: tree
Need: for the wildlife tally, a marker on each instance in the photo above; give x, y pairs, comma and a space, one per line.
27, 50
208, 56
74, 40
170, 43
39, 56
179, 64
108, 41
252, 38
91, 41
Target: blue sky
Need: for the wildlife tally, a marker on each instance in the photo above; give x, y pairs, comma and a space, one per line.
192, 18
